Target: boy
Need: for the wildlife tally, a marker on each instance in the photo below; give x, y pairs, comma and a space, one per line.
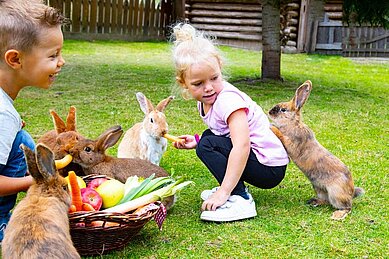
30, 55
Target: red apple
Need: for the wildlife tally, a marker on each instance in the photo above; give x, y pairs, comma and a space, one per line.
92, 197
96, 182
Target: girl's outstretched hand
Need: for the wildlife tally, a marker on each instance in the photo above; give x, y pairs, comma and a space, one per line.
189, 142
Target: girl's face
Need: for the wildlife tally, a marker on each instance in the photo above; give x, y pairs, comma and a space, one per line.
43, 63
204, 81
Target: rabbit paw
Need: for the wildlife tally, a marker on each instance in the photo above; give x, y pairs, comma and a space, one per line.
316, 202
340, 214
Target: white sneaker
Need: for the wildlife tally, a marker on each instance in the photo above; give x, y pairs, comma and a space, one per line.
206, 193
235, 208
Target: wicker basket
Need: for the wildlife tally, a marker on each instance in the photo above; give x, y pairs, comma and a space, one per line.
114, 231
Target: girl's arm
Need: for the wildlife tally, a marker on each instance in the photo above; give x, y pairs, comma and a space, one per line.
11, 185
240, 137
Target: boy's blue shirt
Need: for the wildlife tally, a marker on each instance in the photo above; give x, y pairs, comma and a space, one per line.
10, 124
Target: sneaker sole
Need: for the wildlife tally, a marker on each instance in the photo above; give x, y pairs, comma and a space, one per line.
218, 219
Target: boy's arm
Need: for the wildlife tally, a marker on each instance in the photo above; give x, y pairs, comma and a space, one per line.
10, 185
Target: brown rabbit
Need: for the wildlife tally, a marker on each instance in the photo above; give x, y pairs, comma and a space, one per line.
62, 138
90, 155
145, 139
39, 225
330, 178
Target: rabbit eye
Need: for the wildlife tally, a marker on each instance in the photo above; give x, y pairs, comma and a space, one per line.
283, 110
87, 149
65, 187
151, 120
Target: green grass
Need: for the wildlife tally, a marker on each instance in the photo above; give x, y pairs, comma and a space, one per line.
347, 109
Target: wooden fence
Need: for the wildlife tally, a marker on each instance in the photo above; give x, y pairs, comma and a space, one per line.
365, 41
132, 20
333, 37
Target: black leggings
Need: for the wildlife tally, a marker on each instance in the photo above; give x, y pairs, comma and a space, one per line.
214, 150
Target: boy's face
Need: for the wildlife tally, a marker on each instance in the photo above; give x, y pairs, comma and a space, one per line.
42, 64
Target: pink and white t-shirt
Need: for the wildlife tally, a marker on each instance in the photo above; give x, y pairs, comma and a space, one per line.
266, 146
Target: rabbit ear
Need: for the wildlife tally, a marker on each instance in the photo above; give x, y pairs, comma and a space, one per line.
45, 161
162, 104
145, 104
302, 94
109, 138
59, 124
71, 119
31, 163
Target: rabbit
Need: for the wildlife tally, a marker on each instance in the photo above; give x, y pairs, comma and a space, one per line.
62, 138
145, 139
90, 155
331, 179
39, 225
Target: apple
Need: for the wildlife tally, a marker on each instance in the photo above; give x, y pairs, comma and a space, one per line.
112, 191
92, 197
96, 182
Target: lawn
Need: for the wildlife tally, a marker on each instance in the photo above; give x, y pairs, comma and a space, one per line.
347, 109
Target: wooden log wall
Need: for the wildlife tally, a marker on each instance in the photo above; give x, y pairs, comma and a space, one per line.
238, 23
133, 20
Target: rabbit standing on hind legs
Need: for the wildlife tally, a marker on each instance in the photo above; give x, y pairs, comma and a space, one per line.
39, 225
145, 139
331, 179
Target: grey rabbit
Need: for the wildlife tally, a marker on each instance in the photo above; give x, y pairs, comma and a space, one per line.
329, 176
39, 225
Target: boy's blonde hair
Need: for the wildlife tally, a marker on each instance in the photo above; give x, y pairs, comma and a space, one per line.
22, 22
191, 47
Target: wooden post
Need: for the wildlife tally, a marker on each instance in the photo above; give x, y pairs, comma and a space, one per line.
179, 10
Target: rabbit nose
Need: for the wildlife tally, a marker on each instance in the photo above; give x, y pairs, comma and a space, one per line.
163, 132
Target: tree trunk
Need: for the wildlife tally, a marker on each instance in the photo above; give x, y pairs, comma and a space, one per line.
271, 50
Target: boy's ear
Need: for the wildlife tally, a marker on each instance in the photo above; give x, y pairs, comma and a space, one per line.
12, 58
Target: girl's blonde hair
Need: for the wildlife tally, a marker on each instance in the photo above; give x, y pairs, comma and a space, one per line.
191, 47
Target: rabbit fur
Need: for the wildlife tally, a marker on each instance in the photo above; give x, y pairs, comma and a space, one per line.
62, 138
330, 177
90, 155
39, 225
145, 139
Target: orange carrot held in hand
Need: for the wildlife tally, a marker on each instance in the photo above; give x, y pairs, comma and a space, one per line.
75, 191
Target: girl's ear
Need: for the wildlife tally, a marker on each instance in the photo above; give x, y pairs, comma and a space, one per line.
12, 58
180, 81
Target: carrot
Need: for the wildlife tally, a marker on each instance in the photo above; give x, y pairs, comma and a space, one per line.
172, 138
72, 208
75, 191
87, 207
61, 163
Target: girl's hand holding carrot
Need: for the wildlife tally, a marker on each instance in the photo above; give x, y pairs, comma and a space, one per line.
189, 142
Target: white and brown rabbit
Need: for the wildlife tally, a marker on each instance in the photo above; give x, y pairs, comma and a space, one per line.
145, 139
62, 138
39, 225
331, 179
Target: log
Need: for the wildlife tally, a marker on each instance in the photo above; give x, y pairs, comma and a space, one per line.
227, 7
235, 35
229, 28
206, 13
253, 22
